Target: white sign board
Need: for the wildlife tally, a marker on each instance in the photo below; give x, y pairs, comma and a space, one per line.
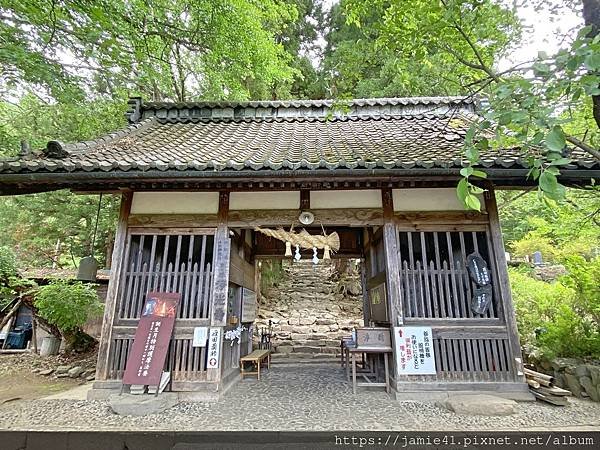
200, 337
414, 350
248, 305
214, 348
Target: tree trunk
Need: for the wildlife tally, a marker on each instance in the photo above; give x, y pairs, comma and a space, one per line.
591, 15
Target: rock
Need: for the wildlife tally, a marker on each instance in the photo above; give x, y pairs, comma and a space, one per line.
480, 405
46, 372
307, 349
325, 322
307, 320
75, 371
87, 373
581, 371
62, 375
90, 378
573, 384
142, 405
62, 369
586, 382
285, 349
594, 374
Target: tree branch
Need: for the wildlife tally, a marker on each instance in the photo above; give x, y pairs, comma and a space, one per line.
583, 146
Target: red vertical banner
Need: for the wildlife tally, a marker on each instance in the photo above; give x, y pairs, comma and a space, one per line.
146, 360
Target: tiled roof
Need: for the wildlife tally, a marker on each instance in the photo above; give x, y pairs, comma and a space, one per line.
371, 133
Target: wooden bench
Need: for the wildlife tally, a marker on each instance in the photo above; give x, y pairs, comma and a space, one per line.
257, 357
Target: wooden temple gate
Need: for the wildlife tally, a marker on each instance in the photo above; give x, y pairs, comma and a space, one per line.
415, 261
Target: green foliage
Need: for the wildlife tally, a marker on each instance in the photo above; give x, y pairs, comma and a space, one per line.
570, 228
67, 305
407, 48
8, 265
553, 319
37, 121
538, 106
164, 49
32, 225
271, 273
584, 278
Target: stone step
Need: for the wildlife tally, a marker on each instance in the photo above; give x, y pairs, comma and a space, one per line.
304, 358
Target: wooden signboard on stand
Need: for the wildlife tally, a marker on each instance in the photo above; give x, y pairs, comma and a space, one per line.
146, 361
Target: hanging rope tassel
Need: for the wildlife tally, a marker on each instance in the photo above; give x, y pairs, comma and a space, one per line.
326, 253
288, 248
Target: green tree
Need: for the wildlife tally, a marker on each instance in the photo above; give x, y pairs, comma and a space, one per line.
68, 306
162, 49
524, 105
382, 48
571, 227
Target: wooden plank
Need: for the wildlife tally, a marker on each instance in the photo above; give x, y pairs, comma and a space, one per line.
207, 292
128, 279
440, 293
138, 284
490, 359
425, 285
410, 299
450, 307
460, 307
165, 257
485, 368
411, 267
110, 308
442, 219
434, 290
201, 302
152, 284
466, 278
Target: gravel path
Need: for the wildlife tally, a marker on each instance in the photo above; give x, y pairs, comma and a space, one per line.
314, 398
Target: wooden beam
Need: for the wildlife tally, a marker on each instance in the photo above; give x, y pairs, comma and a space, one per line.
304, 199
331, 217
110, 307
498, 254
253, 218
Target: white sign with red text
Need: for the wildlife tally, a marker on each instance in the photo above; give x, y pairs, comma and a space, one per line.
414, 350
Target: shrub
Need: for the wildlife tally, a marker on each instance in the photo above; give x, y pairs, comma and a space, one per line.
8, 266
551, 320
67, 305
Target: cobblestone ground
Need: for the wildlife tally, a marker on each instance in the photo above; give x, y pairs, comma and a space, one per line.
294, 397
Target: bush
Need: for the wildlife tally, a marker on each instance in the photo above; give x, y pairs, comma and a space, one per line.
8, 266
551, 318
67, 305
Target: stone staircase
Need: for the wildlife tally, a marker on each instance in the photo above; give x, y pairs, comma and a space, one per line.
309, 312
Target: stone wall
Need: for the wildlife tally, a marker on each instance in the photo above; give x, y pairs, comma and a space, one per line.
312, 307
579, 377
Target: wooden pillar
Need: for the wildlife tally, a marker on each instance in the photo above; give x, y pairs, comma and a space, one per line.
392, 261
503, 281
221, 259
110, 307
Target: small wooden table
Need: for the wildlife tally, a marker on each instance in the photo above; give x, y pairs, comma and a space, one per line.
370, 351
257, 357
